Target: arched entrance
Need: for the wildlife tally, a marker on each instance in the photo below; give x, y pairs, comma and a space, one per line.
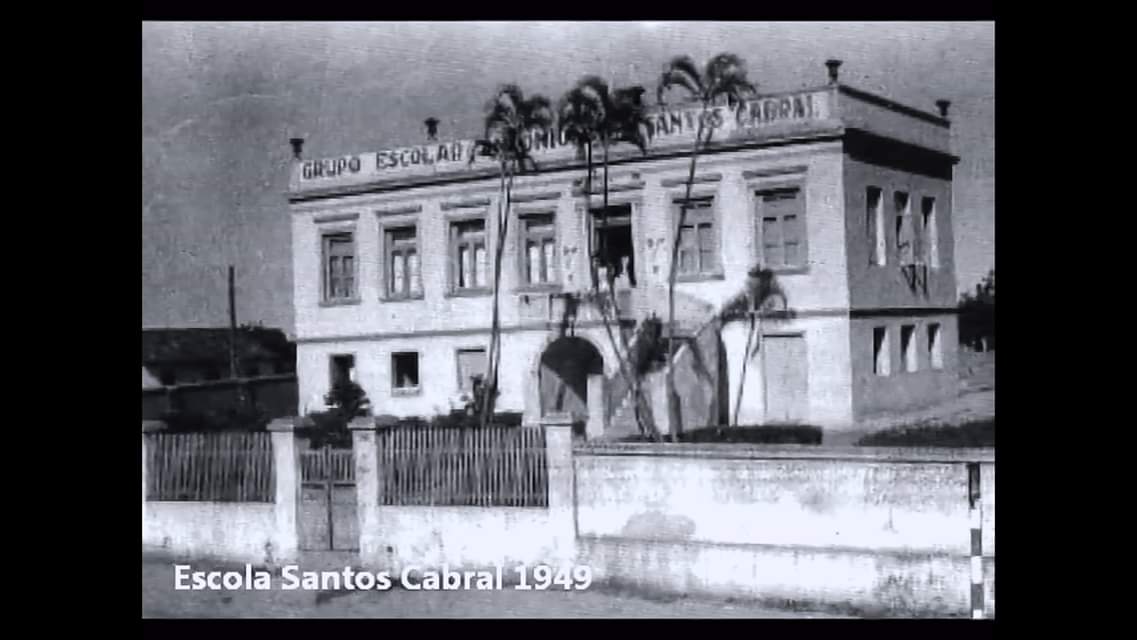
563, 376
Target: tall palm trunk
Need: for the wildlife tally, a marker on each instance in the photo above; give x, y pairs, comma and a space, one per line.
488, 401
672, 408
742, 376
621, 348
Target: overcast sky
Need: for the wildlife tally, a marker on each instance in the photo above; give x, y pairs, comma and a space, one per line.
220, 100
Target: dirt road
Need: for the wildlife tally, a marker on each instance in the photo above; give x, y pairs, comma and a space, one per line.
161, 600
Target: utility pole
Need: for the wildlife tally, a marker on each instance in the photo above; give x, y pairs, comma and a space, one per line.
242, 396
232, 326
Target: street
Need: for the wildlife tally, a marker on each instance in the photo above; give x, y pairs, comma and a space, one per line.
161, 600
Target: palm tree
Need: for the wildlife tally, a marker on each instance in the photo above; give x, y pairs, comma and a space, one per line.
510, 118
762, 289
588, 114
723, 77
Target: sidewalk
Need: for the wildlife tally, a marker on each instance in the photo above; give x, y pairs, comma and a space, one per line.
160, 600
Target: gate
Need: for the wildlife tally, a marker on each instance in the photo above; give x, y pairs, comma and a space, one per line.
328, 519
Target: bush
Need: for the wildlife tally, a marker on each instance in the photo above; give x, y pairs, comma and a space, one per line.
330, 428
979, 433
753, 434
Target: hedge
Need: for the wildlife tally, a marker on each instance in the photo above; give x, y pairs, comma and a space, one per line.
978, 433
751, 434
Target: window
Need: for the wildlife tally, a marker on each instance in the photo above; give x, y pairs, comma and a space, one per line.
212, 373
904, 236
931, 233
339, 267
935, 350
471, 362
908, 347
880, 359
539, 251
782, 214
167, 377
698, 240
468, 255
874, 225
404, 371
342, 369
404, 279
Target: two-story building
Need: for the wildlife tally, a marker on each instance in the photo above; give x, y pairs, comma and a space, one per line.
845, 195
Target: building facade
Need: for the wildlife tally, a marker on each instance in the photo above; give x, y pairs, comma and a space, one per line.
845, 196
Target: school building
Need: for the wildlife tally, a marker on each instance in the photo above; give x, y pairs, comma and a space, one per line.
845, 195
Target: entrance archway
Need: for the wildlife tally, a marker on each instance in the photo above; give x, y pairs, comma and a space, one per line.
566, 365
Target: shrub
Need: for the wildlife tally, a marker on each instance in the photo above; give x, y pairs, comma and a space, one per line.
753, 434
330, 428
978, 433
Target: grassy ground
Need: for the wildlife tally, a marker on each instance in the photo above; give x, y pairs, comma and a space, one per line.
160, 600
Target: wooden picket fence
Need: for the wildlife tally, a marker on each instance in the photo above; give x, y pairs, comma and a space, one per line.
443, 466
210, 467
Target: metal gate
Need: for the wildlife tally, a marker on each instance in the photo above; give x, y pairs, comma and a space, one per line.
328, 520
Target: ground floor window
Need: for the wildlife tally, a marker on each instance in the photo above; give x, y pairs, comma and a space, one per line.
880, 360
404, 372
935, 349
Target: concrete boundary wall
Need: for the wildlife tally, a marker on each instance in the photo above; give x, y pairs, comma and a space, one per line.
879, 530
257, 533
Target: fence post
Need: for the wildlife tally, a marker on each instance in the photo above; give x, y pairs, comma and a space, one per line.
286, 468
148, 426
562, 485
975, 511
365, 453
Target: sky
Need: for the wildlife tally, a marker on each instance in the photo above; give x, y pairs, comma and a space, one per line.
221, 100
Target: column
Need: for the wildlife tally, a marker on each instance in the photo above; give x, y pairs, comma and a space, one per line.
286, 467
148, 426
365, 451
562, 497
596, 407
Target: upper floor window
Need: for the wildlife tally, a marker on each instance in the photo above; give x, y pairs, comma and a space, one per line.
782, 216
905, 239
468, 255
874, 225
404, 279
931, 233
698, 239
339, 266
539, 248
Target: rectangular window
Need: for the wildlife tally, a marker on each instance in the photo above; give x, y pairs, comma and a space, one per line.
471, 363
404, 279
404, 371
698, 239
908, 347
874, 225
904, 237
342, 369
468, 255
539, 238
880, 356
339, 266
931, 233
935, 350
782, 216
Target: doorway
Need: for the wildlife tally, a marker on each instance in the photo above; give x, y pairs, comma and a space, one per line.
612, 240
566, 365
